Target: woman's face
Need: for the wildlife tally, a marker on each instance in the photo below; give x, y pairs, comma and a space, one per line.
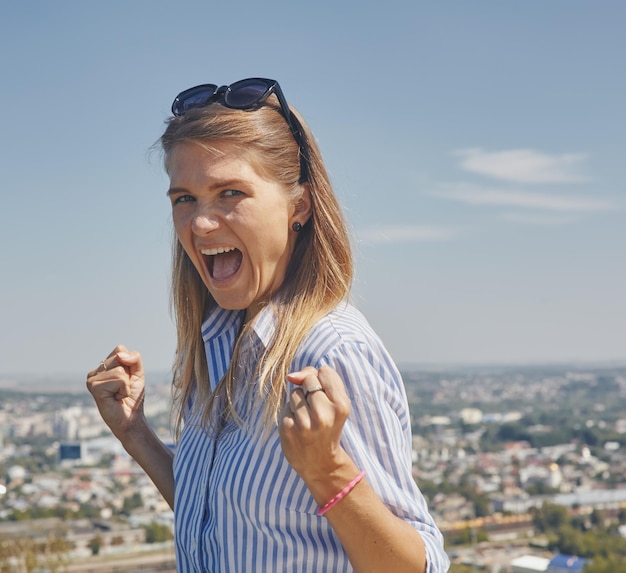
234, 225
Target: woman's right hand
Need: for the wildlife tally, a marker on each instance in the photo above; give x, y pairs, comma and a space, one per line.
117, 386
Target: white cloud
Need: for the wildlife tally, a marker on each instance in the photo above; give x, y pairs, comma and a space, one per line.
538, 218
477, 195
523, 165
406, 234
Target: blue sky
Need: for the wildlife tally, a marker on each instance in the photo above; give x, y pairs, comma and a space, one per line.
478, 149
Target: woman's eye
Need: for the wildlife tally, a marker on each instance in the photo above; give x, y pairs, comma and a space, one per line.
232, 193
182, 199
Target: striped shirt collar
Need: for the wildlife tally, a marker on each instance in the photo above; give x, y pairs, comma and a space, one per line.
220, 322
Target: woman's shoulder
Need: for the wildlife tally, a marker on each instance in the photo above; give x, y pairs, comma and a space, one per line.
342, 330
349, 323
345, 323
344, 340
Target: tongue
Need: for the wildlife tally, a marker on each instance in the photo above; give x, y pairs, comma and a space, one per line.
225, 265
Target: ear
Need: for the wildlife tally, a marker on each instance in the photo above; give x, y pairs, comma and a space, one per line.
302, 208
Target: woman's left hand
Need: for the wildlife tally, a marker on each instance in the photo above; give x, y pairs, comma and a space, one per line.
312, 421
310, 430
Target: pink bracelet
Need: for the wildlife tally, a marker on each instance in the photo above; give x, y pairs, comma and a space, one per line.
343, 493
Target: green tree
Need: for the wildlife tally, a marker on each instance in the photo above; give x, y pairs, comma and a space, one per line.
550, 517
466, 536
157, 532
571, 541
606, 564
30, 555
95, 544
597, 517
132, 502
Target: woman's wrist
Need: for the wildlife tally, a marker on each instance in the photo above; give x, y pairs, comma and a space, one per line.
341, 494
136, 437
324, 483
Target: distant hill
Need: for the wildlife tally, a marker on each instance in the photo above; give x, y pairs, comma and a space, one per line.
62, 383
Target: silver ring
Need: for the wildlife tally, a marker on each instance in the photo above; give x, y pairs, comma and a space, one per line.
103, 364
316, 389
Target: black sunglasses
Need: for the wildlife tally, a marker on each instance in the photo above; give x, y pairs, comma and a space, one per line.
244, 94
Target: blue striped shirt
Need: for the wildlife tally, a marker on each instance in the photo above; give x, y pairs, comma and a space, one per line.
239, 505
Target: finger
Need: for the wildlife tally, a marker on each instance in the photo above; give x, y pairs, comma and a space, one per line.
108, 362
333, 385
300, 409
132, 360
308, 392
308, 380
299, 377
108, 389
115, 382
125, 366
296, 400
286, 421
286, 411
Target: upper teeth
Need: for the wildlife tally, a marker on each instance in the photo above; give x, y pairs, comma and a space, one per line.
216, 251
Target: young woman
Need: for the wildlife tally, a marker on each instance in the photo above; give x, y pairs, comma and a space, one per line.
293, 433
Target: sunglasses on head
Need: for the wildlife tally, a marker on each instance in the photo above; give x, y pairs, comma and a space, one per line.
244, 94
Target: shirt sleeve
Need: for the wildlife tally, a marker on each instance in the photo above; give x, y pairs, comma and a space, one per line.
377, 436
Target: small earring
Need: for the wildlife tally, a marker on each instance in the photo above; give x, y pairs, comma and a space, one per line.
297, 227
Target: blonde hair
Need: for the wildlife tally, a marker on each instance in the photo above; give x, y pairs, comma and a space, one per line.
317, 279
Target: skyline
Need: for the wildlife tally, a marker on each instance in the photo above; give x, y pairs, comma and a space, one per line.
477, 151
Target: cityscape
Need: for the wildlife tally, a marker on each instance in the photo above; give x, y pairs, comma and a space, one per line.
476, 150
521, 466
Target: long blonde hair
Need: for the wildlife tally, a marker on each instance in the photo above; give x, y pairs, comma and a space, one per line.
318, 276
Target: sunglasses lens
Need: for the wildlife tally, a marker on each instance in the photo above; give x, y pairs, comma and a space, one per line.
194, 97
245, 93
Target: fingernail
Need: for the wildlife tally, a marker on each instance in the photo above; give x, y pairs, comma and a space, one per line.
123, 355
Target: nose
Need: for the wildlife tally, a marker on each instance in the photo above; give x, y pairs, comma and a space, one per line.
204, 222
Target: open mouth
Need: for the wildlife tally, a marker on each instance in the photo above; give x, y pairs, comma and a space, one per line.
222, 262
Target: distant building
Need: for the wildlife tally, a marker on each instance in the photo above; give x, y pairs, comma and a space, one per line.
16, 474
471, 415
555, 477
529, 564
597, 499
70, 452
519, 502
566, 564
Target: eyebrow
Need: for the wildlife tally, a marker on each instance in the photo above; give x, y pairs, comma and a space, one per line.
175, 191
217, 184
